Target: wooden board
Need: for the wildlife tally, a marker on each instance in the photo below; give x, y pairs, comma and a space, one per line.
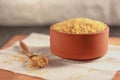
113, 40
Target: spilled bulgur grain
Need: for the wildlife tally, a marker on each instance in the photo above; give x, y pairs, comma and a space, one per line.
80, 26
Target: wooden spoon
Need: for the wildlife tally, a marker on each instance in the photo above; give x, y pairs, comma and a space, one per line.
38, 60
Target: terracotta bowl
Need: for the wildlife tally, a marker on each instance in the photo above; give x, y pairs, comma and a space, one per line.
79, 46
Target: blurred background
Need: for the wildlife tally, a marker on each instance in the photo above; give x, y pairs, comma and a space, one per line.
27, 16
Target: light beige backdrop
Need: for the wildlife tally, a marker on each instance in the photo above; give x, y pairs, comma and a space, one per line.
42, 12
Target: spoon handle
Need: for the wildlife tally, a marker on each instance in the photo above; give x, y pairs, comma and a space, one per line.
25, 48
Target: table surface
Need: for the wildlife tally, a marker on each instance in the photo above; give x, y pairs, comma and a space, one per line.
112, 40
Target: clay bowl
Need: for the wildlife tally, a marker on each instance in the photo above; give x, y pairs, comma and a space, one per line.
79, 46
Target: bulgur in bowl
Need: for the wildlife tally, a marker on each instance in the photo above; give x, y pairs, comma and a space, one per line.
79, 39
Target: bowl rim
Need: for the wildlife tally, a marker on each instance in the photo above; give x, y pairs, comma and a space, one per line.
107, 29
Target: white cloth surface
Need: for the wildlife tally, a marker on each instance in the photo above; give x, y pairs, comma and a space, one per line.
58, 68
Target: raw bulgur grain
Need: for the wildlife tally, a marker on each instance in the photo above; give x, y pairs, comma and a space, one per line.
80, 26
38, 61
